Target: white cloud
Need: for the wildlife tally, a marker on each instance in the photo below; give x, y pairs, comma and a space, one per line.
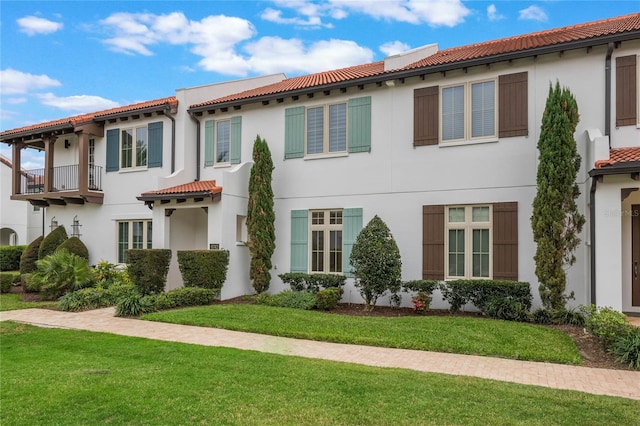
78, 103
533, 13
492, 13
273, 15
32, 25
435, 13
274, 54
223, 43
394, 47
17, 82
16, 101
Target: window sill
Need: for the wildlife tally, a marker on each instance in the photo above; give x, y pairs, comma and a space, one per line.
467, 142
133, 169
322, 156
222, 166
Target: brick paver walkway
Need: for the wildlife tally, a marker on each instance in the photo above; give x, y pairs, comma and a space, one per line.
592, 380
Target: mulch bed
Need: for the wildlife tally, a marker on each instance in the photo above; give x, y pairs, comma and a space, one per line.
590, 349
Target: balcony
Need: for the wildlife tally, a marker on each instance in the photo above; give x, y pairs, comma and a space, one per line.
66, 186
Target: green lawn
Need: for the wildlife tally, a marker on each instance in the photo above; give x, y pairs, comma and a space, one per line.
10, 302
69, 377
465, 335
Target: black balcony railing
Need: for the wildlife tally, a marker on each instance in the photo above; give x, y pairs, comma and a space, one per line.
65, 178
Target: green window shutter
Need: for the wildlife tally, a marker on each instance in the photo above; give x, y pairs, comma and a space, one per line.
351, 227
209, 149
236, 137
360, 124
155, 144
299, 240
294, 132
113, 150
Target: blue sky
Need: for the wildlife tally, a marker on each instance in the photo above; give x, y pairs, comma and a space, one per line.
63, 58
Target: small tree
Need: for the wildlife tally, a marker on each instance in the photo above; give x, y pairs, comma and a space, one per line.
556, 221
261, 216
375, 258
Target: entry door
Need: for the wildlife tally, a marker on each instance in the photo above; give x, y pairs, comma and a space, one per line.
635, 255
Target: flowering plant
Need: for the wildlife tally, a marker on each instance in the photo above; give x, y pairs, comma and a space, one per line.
421, 302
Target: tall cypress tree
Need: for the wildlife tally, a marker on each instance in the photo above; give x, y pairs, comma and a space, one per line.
556, 221
261, 216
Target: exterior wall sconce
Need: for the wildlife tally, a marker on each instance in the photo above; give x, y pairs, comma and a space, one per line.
75, 227
54, 223
67, 144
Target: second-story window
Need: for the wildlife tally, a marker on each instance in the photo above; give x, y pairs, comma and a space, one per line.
223, 134
327, 129
133, 148
469, 111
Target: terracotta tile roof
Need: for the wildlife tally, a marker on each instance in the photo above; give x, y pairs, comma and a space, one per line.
620, 155
303, 82
452, 56
534, 40
171, 100
205, 187
86, 118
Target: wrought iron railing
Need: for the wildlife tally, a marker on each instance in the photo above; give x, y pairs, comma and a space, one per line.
65, 178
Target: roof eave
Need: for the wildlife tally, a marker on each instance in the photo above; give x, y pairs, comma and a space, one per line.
20, 136
198, 194
630, 167
384, 76
148, 110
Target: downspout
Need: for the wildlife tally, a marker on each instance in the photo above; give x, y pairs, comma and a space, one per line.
167, 112
607, 91
592, 232
594, 179
194, 118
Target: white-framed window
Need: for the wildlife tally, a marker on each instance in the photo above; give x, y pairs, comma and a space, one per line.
325, 235
223, 141
133, 234
468, 111
133, 147
326, 130
468, 241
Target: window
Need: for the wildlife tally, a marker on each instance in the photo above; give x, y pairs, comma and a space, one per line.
321, 240
468, 242
135, 234
326, 241
327, 129
133, 149
469, 111
92, 164
222, 141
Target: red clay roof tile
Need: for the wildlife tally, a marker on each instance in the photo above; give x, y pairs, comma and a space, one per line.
448, 56
203, 186
620, 155
86, 118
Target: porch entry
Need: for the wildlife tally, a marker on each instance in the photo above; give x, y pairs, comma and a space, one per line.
635, 255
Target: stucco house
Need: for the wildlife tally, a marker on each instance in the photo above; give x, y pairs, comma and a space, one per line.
441, 144
20, 223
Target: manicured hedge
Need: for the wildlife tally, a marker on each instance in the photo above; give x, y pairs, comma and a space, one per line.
7, 279
10, 257
203, 268
76, 246
30, 256
419, 286
52, 241
148, 269
135, 304
480, 292
299, 281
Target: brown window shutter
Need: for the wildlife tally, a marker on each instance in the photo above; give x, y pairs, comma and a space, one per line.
513, 111
433, 242
425, 116
505, 241
626, 91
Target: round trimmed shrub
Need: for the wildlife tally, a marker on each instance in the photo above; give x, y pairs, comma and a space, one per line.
30, 256
328, 298
76, 246
10, 257
52, 241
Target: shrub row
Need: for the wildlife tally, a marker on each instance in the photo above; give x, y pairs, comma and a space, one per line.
94, 297
135, 304
7, 279
10, 257
325, 299
616, 334
148, 269
299, 281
